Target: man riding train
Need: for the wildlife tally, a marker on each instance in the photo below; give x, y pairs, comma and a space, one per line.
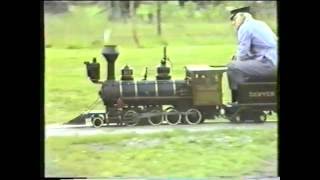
256, 58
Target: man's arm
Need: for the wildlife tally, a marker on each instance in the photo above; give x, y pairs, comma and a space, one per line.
244, 38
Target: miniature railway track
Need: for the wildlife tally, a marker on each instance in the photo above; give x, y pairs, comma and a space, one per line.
87, 130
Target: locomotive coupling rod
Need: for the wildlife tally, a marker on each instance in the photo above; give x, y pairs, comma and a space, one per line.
149, 114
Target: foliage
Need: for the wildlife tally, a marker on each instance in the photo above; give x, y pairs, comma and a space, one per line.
80, 28
84, 26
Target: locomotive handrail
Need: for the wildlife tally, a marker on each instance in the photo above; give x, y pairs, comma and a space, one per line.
223, 68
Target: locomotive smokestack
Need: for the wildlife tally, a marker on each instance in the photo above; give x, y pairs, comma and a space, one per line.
111, 54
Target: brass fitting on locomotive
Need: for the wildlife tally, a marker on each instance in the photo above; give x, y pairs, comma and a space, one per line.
126, 74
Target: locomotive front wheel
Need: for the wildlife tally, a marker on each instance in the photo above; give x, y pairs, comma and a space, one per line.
173, 119
97, 122
155, 120
193, 116
130, 118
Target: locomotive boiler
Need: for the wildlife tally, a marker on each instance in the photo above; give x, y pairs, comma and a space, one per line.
190, 100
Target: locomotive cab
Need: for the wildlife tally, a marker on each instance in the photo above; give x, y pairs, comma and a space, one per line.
206, 83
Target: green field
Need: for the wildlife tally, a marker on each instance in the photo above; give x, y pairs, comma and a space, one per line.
174, 154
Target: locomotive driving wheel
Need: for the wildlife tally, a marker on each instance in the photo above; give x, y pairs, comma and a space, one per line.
130, 118
193, 116
173, 119
155, 120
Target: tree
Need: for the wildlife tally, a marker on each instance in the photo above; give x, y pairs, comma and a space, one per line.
55, 7
181, 3
115, 10
134, 30
159, 18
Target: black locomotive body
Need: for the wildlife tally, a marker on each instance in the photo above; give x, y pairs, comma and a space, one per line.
192, 100
146, 92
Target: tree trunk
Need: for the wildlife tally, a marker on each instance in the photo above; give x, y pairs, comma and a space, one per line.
115, 10
159, 18
134, 30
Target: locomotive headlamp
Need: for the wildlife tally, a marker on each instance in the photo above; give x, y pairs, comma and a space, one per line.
93, 70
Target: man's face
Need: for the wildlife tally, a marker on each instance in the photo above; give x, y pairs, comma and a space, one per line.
237, 21
233, 22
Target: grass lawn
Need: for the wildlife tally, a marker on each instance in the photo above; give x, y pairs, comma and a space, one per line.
168, 154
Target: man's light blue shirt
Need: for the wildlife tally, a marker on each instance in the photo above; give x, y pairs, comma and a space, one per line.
256, 41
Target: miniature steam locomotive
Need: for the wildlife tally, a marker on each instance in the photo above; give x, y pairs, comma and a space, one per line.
191, 100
